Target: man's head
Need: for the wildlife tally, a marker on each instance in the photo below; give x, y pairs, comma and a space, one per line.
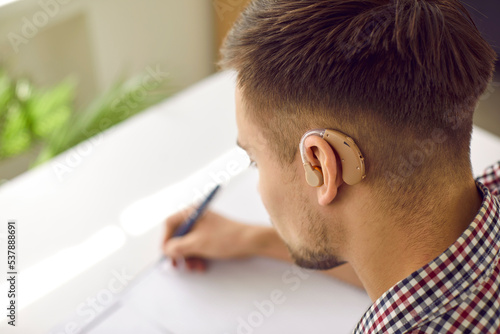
402, 78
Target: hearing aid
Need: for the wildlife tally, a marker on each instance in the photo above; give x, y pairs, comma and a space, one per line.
353, 163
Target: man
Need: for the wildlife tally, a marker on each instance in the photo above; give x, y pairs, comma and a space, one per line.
402, 79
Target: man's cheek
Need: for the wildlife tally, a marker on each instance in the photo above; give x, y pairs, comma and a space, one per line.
268, 197
261, 188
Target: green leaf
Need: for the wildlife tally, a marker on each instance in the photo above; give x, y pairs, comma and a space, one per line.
50, 110
15, 137
121, 101
29, 115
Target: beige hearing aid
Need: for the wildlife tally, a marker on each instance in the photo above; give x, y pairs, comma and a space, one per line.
353, 163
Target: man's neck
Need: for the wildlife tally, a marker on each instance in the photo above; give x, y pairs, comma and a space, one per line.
386, 249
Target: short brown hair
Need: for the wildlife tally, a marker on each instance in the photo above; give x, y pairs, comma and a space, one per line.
400, 77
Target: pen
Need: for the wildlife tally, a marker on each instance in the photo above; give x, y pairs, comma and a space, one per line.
195, 215
192, 219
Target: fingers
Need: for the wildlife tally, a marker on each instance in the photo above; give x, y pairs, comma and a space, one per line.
191, 263
174, 221
185, 246
185, 251
196, 264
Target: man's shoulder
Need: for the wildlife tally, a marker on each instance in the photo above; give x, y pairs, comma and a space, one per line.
475, 311
477, 314
459, 291
490, 178
474, 306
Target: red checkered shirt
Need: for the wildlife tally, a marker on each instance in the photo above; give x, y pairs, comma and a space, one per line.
459, 291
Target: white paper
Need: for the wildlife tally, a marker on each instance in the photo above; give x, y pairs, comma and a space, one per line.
255, 296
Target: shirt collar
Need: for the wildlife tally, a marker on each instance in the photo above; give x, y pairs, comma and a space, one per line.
444, 281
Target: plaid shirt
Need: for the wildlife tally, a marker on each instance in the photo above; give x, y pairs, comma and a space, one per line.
459, 291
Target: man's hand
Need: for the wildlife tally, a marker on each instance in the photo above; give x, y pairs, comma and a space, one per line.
212, 237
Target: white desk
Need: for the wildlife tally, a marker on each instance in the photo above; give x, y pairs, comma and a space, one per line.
73, 237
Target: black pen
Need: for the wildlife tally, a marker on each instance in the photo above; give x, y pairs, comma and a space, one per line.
195, 215
192, 219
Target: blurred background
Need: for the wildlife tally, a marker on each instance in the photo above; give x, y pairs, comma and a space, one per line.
72, 68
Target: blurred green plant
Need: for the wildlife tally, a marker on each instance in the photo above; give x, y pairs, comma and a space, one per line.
29, 116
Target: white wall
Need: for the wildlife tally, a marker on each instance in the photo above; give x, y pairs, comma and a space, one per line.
100, 41
176, 35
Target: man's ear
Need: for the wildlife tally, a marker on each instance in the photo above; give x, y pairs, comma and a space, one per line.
320, 154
